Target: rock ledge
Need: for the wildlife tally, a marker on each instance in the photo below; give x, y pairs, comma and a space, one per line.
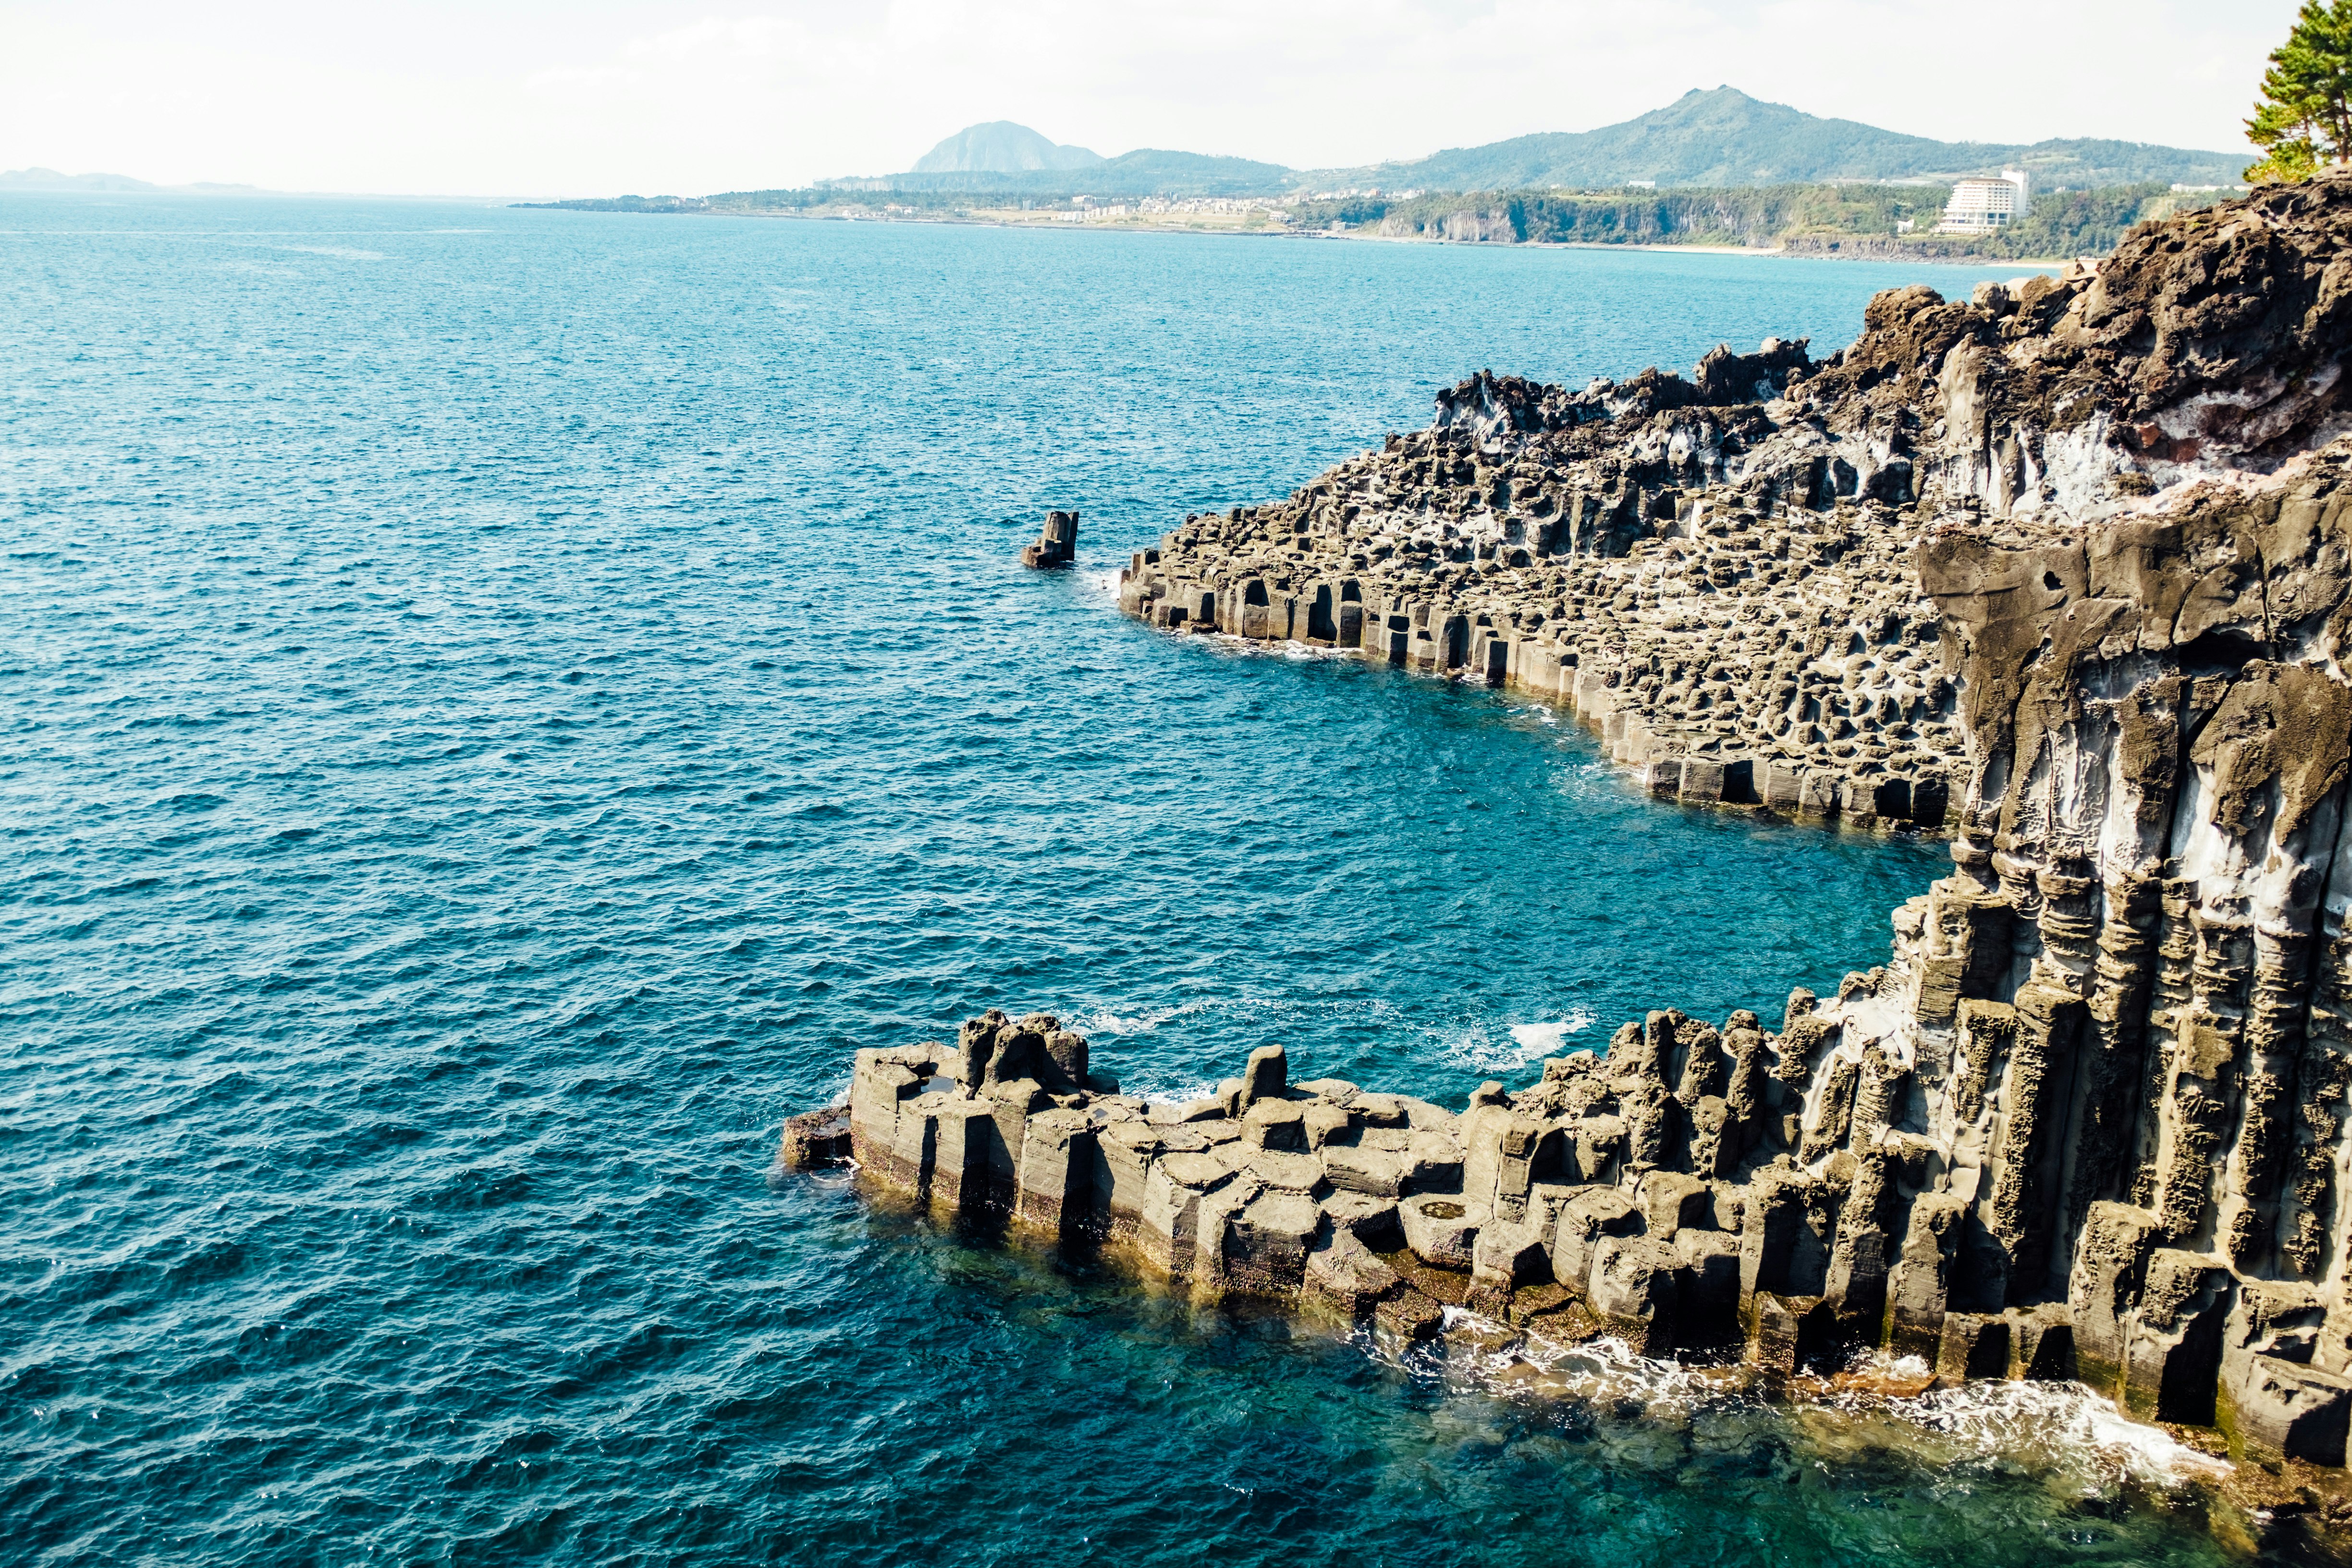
2066, 569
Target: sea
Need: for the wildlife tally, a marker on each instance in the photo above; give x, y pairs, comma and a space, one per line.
498, 705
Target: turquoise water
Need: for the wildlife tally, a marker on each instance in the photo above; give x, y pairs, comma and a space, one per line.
500, 705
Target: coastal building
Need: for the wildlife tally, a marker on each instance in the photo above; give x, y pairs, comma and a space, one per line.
1980, 205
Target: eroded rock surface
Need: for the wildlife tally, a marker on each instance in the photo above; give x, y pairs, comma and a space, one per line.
2067, 569
1057, 541
1718, 572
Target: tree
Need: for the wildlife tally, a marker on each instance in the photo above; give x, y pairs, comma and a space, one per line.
2305, 117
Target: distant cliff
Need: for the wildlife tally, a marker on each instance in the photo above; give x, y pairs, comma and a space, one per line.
1892, 221
1819, 220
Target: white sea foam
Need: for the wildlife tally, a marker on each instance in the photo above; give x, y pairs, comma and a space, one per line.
2064, 1420
1101, 583
1481, 1354
1246, 1009
1183, 1094
1546, 1039
1484, 1047
1245, 1015
2080, 1436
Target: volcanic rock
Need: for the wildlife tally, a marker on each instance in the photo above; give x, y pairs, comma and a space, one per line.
2065, 570
1057, 543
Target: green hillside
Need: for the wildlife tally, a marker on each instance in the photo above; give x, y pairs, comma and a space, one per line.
1000, 146
1847, 219
1703, 142
1724, 137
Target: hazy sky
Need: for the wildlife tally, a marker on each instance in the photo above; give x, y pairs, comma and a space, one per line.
596, 97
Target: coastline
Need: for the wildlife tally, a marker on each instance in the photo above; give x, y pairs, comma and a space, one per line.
1725, 597
1121, 226
2085, 1122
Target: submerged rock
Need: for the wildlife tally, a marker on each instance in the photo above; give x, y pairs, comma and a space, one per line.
816, 1138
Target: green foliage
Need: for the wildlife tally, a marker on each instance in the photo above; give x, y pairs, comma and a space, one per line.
769, 201
2089, 223
1844, 219
625, 205
2305, 117
1722, 138
1821, 219
1145, 171
1746, 215
1347, 211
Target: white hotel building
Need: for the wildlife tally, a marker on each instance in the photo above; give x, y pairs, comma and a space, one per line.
1979, 207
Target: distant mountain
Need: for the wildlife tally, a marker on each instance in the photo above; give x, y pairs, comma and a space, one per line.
1145, 171
50, 180
1000, 147
1719, 138
1727, 138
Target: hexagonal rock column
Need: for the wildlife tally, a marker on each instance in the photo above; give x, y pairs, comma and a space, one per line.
1057, 544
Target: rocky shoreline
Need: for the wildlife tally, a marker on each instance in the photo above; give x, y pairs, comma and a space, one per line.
1722, 574
1736, 616
2064, 571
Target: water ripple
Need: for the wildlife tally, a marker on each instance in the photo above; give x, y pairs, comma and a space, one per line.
498, 710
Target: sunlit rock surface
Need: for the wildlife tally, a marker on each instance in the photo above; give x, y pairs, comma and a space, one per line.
2063, 571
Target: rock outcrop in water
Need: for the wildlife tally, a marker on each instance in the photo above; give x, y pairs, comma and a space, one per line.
2067, 570
1057, 541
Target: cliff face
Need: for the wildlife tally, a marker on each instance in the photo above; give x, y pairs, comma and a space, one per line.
2062, 568
2208, 343
1719, 574
2147, 922
1723, 589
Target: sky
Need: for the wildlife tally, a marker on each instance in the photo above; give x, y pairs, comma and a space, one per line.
529, 97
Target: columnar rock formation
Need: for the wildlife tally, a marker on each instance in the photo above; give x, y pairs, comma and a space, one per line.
1057, 541
2068, 570
1717, 572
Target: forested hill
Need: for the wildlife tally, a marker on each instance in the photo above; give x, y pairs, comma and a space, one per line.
1724, 137
1844, 219
1712, 140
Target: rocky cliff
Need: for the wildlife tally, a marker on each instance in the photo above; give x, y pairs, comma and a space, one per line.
2066, 569
1719, 571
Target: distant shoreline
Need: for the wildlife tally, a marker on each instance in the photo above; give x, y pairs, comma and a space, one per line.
1236, 231
1761, 252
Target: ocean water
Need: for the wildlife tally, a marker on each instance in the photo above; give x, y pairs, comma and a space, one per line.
500, 705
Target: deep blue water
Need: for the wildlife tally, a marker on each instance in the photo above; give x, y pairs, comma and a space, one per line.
498, 705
